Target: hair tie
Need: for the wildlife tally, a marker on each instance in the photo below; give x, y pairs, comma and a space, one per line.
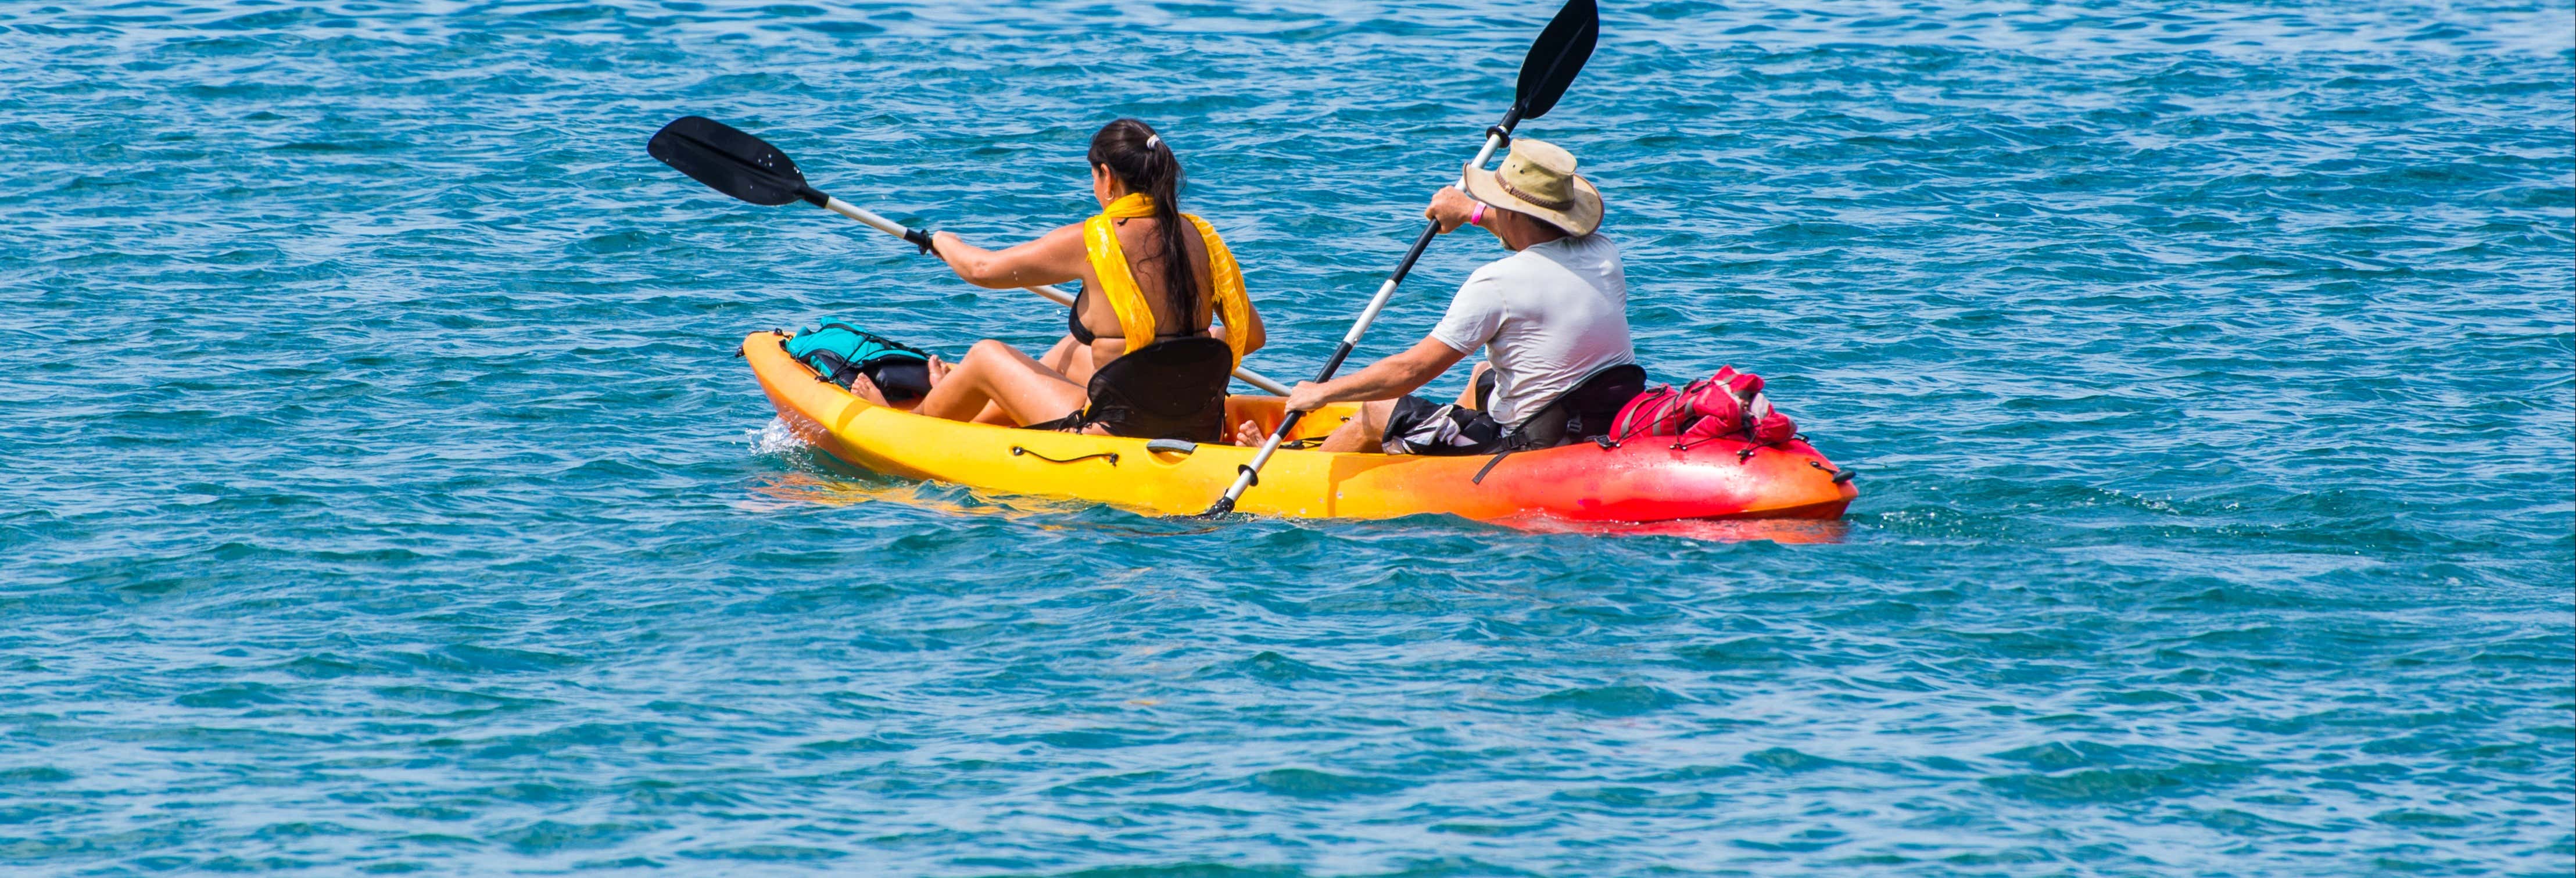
1153, 140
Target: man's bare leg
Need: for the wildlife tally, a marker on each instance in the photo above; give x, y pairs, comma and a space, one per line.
1467, 397
1362, 432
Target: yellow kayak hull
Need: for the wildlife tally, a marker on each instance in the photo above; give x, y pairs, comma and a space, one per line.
1637, 481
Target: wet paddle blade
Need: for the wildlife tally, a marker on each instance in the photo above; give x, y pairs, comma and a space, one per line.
728, 160
1557, 56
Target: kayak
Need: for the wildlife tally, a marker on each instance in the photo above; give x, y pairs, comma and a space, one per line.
1642, 480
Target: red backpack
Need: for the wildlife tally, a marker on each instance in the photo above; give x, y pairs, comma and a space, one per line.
1727, 405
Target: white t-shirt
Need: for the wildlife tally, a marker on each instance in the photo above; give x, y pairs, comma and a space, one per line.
1547, 317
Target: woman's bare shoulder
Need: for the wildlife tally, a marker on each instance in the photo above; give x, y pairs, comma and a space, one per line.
1061, 246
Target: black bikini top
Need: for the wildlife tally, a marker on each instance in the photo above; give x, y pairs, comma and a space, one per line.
1083, 334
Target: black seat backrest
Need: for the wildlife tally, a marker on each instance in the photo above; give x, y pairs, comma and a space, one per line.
1168, 387
1590, 408
1596, 401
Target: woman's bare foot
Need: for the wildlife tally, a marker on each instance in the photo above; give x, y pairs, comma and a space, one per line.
938, 370
865, 389
1250, 435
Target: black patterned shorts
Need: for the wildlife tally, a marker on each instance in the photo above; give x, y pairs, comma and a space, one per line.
1419, 426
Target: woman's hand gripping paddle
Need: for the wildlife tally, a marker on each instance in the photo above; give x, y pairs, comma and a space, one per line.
1549, 68
748, 168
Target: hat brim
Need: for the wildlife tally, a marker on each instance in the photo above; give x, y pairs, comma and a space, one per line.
1577, 219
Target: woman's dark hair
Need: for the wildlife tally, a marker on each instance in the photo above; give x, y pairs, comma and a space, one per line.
1156, 172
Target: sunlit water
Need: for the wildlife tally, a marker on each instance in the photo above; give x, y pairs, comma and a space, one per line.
377, 491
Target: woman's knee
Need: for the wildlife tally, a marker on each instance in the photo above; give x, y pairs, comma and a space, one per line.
984, 358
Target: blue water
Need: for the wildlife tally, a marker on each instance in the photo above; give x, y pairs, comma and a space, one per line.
378, 494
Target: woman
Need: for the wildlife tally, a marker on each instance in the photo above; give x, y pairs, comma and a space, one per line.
1149, 274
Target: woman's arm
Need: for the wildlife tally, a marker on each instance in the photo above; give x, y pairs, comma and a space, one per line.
1055, 257
1254, 335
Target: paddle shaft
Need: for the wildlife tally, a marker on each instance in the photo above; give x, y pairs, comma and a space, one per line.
1247, 473
1058, 296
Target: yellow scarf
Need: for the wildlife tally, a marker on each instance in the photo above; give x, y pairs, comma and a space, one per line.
1118, 284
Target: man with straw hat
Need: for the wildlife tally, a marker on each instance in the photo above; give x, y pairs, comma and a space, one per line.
1548, 316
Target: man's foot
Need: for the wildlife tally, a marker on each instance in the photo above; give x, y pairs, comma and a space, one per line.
1250, 435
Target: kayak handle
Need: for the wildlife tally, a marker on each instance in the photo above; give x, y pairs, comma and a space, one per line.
1112, 456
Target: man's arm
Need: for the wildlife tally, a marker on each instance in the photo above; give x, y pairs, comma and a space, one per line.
1385, 379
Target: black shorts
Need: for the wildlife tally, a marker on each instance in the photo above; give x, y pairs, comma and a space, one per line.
1420, 426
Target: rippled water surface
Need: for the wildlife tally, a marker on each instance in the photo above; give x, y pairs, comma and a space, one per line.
377, 492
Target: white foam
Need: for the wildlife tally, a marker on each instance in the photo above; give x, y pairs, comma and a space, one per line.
775, 438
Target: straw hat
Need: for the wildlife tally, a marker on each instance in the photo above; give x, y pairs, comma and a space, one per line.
1538, 179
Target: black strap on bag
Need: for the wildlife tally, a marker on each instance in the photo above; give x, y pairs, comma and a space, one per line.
1589, 409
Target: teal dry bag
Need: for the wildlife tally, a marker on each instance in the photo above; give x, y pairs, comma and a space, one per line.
838, 352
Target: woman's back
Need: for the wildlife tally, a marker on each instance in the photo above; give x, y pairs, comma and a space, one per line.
1140, 239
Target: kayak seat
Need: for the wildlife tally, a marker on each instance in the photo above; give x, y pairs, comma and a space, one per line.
1594, 403
1584, 412
1166, 390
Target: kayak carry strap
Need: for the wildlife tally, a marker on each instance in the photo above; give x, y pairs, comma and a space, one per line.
1840, 475
1489, 465
1111, 455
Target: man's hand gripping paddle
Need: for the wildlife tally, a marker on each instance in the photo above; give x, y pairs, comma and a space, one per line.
748, 168
1550, 67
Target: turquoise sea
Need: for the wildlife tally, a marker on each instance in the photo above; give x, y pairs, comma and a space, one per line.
378, 493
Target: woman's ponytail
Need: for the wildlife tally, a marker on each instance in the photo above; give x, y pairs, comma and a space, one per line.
1137, 155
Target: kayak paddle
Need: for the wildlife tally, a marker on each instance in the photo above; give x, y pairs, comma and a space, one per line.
747, 167
1549, 68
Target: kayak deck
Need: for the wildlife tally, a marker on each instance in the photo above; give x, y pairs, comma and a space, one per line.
1636, 481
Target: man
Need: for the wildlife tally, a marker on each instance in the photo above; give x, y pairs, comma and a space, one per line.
1548, 316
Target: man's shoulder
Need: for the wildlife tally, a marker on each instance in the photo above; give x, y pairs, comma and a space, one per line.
1596, 244
1571, 256
1531, 258
1498, 272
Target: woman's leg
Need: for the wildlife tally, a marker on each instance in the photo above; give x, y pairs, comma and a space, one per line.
1067, 356
1078, 363
998, 374
865, 389
868, 390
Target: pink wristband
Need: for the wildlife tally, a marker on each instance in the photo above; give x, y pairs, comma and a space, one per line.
1477, 216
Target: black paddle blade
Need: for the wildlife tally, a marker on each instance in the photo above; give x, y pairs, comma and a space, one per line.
1556, 57
730, 161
